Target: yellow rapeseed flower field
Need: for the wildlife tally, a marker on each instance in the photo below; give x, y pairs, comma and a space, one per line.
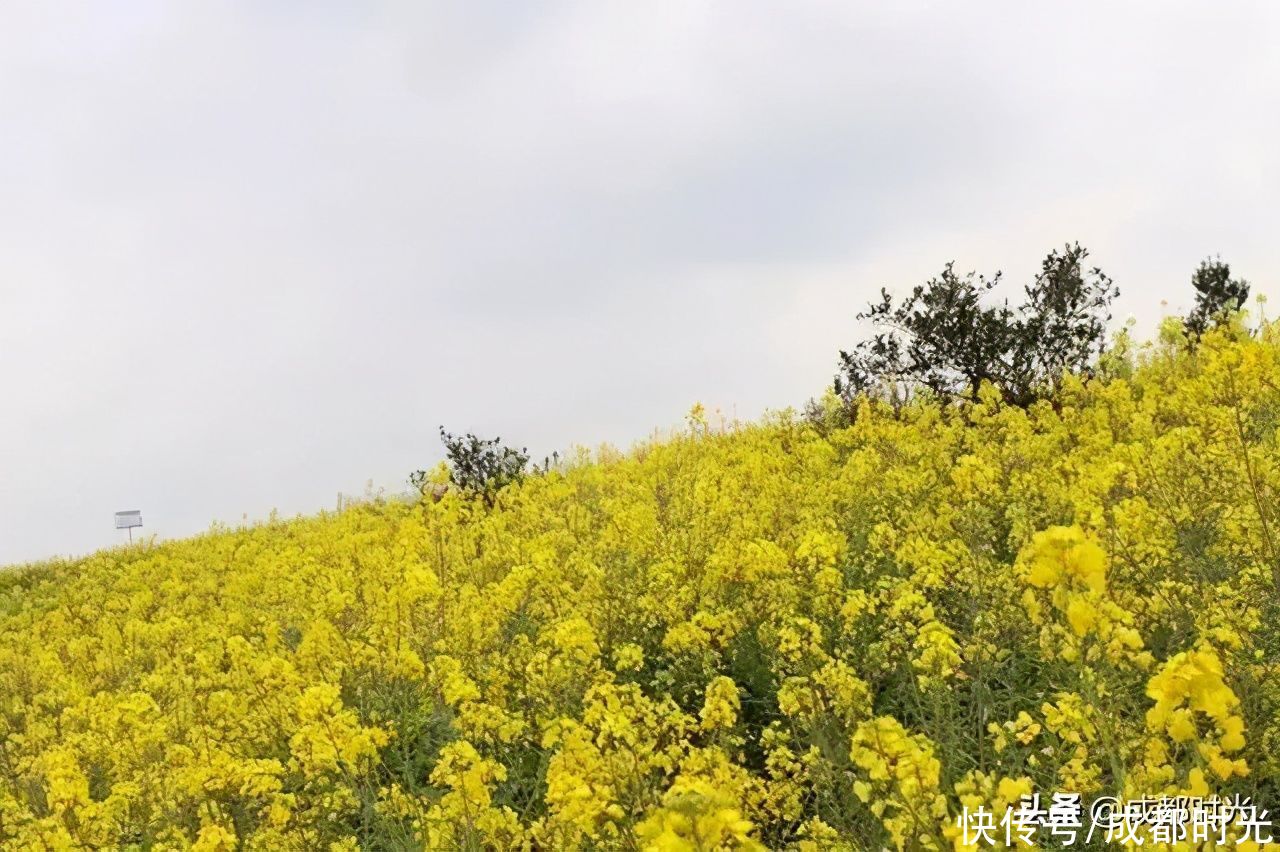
796, 634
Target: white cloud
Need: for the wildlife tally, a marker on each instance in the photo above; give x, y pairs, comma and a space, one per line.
252, 255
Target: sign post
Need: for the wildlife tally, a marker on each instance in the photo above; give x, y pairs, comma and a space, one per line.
128, 520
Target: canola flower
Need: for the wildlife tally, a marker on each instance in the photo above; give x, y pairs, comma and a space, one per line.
809, 634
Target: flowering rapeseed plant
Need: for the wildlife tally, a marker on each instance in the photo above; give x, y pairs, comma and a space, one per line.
787, 635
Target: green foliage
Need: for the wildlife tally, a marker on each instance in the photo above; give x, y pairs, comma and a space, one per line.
477, 466
946, 338
1217, 296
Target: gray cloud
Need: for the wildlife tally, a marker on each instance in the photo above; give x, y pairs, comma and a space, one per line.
251, 255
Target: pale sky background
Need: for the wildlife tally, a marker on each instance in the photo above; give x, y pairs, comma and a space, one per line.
252, 254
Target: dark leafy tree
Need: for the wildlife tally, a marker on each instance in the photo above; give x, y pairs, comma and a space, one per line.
1217, 296
477, 466
945, 335
941, 337
1062, 325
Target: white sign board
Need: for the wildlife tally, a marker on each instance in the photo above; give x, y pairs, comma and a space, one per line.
129, 519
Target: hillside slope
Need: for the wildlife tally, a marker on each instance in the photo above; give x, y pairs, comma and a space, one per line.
784, 635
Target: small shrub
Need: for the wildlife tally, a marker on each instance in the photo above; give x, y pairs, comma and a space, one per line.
1218, 295
477, 466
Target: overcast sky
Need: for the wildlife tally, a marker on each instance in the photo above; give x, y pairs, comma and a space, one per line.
253, 254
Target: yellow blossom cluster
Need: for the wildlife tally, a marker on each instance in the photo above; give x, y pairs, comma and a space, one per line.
824, 632
902, 782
